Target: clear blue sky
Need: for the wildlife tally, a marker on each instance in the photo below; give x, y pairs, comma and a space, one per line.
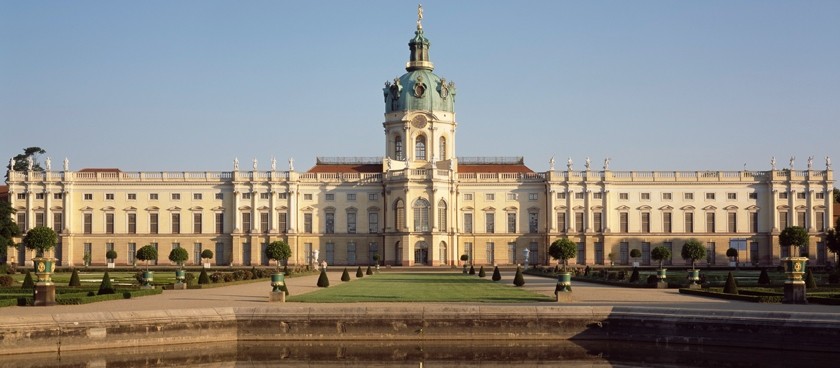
189, 85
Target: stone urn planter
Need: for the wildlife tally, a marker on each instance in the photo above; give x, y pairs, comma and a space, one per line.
278, 292
148, 279
44, 268
693, 279
662, 274
794, 285
563, 290
180, 276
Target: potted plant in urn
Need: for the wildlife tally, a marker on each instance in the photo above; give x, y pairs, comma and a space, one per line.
147, 253
42, 239
795, 237
635, 254
732, 253
206, 255
278, 250
376, 260
111, 255
660, 254
563, 249
693, 250
179, 256
465, 258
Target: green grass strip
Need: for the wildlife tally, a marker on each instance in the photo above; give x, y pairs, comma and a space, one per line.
419, 287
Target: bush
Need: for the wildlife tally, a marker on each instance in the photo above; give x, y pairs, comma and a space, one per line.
91, 293
810, 282
228, 277
203, 278
27, 281
324, 281
496, 274
586, 271
369, 271
359, 273
834, 278
105, 286
731, 286
127, 295
518, 280
287, 272
652, 280
189, 278
622, 275
634, 277
74, 279
345, 276
764, 278
239, 275
217, 277
6, 281
481, 272
472, 270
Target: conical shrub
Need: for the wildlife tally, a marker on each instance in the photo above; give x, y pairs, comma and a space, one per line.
74, 279
481, 272
634, 277
345, 276
359, 273
203, 278
496, 274
764, 278
518, 280
369, 271
323, 280
286, 271
105, 286
810, 281
472, 270
731, 287
27, 281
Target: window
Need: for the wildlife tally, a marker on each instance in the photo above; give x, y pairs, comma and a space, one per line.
783, 195
511, 196
351, 252
87, 196
246, 195
420, 148
646, 253
58, 222
399, 214
561, 221
153, 196
579, 195
153, 223
58, 195
176, 196
753, 196
132, 223
579, 222
132, 252
468, 250
645, 196
489, 197
468, 223
489, 221
330, 196
624, 253
373, 222
710, 222
666, 222
442, 149
666, 196
22, 196
580, 257
88, 223
132, 196
819, 195
197, 223
108, 196
819, 216
219, 196
197, 196
176, 223
800, 219
783, 220
39, 219
533, 196
373, 196
511, 252
511, 222
351, 196
21, 222
307, 223
710, 253
220, 222
754, 222
732, 222
670, 247
351, 222
622, 222
533, 222
490, 253
731, 196
307, 197
598, 195
688, 196
689, 222
623, 196
265, 195
264, 226
599, 253
597, 222
646, 222
442, 221
329, 222
561, 195
710, 196
88, 252
246, 222
468, 196
398, 148
282, 222
41, 196
800, 195
421, 214
373, 249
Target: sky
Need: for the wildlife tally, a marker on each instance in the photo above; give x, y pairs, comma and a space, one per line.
191, 85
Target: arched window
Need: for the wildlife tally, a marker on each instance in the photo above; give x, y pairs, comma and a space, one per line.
399, 214
441, 215
420, 148
442, 149
421, 215
398, 148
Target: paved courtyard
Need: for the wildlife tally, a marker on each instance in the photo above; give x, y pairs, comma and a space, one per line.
256, 294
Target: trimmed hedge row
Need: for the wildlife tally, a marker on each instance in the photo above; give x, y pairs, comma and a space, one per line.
83, 298
744, 298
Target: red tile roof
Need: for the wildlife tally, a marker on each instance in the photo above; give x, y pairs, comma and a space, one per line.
350, 168
494, 168
96, 169
4, 193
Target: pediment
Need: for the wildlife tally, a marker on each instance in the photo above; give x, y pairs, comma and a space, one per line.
488, 209
307, 209
281, 208
709, 208
666, 208
329, 209
86, 208
56, 208
351, 209
174, 209
244, 208
533, 209
263, 208
130, 209
107, 209
578, 208
196, 208
597, 208
783, 207
752, 208
510, 208
731, 207
819, 207
801, 207
218, 209
622, 208
39, 208
467, 208
373, 209
644, 208
152, 208
687, 208
557, 208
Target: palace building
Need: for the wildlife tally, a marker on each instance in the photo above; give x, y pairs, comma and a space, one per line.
419, 204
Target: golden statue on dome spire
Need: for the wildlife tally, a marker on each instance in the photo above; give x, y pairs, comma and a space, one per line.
419, 16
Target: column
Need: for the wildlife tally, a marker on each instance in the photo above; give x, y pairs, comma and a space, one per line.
293, 210
605, 214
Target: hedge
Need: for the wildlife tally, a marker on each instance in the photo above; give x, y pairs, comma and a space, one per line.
744, 298
82, 298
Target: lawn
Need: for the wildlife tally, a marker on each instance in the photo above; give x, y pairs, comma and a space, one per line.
420, 287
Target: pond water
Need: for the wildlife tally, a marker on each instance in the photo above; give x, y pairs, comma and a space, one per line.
425, 354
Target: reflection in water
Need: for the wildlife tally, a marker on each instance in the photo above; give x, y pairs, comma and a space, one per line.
420, 354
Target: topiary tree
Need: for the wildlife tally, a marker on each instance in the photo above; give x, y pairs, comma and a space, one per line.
368, 271
660, 254
693, 250
376, 259
41, 239
635, 253
731, 286
323, 280
27, 281
562, 249
206, 255
795, 236
74, 279
465, 258
481, 272
105, 286
810, 281
472, 270
179, 256
359, 273
345, 276
278, 250
518, 279
732, 253
496, 274
147, 253
111, 255
764, 278
203, 278
634, 277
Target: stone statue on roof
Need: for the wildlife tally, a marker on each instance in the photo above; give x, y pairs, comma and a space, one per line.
607, 164
273, 163
255, 164
773, 163
551, 164
48, 163
31, 163
236, 164
569, 164
66, 164
291, 164
810, 162
827, 163
588, 163
792, 159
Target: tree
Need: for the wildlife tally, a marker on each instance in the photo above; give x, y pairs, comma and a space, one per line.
795, 236
21, 162
206, 254
496, 274
836, 193
147, 253
323, 280
832, 239
8, 228
111, 255
562, 249
105, 286
74, 279
518, 279
40, 239
733, 254
278, 250
179, 256
376, 259
764, 278
693, 250
345, 276
660, 254
359, 273
635, 253
481, 272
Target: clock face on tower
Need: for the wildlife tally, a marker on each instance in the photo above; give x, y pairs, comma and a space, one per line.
419, 121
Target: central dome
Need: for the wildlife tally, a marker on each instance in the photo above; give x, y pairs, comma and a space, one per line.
419, 88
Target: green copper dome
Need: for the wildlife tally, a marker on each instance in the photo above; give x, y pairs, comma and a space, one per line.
420, 88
